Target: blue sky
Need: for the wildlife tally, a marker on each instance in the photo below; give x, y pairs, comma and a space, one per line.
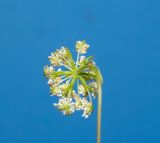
124, 39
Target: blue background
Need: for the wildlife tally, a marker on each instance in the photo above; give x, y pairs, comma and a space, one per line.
125, 39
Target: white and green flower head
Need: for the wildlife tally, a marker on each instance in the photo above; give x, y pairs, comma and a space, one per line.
75, 83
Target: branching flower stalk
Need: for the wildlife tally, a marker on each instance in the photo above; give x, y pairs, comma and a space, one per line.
75, 83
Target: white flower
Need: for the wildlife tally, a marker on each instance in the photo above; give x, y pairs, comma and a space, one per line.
50, 82
60, 58
87, 108
48, 70
78, 103
65, 105
62, 51
67, 73
81, 47
63, 87
54, 59
57, 80
55, 90
51, 68
82, 89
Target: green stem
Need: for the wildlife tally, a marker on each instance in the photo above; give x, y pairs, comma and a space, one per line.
99, 111
70, 86
59, 73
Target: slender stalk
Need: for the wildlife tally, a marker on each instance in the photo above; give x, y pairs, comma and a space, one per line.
99, 115
64, 79
77, 59
90, 98
78, 86
66, 67
70, 66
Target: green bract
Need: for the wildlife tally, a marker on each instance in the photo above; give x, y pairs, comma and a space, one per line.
74, 82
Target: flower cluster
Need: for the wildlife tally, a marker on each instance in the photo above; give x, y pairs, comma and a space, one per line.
68, 106
81, 47
61, 57
65, 105
74, 82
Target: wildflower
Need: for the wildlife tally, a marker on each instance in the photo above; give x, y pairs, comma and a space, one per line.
48, 70
63, 87
78, 103
55, 90
54, 59
81, 47
65, 105
74, 83
82, 89
57, 80
62, 51
87, 108
50, 82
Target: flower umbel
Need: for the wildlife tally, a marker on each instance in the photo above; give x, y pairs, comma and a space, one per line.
75, 83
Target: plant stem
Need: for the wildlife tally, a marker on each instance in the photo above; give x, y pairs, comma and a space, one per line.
99, 115
77, 59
